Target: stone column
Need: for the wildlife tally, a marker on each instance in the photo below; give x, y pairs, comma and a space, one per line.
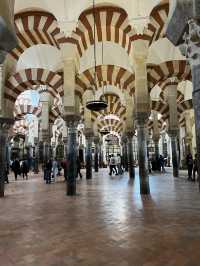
5, 124
142, 154
174, 146
72, 124
46, 145
100, 154
88, 158
96, 154
36, 163
131, 166
175, 31
156, 133
142, 110
125, 153
173, 125
188, 131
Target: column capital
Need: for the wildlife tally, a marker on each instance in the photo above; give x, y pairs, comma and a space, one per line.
88, 132
142, 117
71, 119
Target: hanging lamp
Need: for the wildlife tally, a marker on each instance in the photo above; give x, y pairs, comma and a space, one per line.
101, 104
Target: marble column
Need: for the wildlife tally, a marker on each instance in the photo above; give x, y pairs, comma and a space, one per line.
174, 146
72, 153
156, 145
100, 154
5, 124
173, 130
36, 161
96, 154
88, 158
125, 153
131, 166
142, 153
175, 32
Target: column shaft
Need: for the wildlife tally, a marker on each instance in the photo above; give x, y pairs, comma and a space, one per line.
196, 104
175, 162
96, 158
88, 157
130, 158
142, 159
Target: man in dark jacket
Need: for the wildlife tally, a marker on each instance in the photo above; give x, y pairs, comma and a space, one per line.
189, 162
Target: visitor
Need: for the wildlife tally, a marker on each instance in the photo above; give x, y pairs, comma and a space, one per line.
189, 163
162, 164
119, 164
24, 169
54, 168
195, 168
64, 165
16, 168
78, 162
112, 164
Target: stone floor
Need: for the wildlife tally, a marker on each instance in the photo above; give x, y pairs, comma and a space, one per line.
108, 223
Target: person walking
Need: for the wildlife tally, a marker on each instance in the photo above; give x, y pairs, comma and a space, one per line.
16, 168
54, 168
162, 164
189, 162
25, 169
195, 168
119, 164
78, 162
113, 165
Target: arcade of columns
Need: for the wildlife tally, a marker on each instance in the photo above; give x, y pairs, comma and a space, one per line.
127, 91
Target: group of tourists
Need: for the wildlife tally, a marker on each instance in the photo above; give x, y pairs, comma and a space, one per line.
157, 164
115, 164
19, 168
191, 166
52, 169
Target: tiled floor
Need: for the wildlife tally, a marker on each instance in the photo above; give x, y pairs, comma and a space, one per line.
108, 223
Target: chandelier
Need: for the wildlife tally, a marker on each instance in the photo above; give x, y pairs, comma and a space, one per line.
101, 104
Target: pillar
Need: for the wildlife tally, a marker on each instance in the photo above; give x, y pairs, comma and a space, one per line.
173, 130
36, 161
72, 124
5, 124
88, 157
174, 147
100, 154
188, 131
131, 166
125, 153
142, 154
96, 154
142, 109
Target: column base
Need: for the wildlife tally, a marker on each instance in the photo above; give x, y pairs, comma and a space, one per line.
71, 189
144, 188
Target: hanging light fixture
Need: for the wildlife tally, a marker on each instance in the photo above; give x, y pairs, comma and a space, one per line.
101, 104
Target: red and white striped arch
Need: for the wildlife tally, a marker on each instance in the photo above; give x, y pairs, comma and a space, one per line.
112, 25
106, 75
23, 106
33, 28
157, 74
165, 84
28, 78
115, 107
156, 26
110, 124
